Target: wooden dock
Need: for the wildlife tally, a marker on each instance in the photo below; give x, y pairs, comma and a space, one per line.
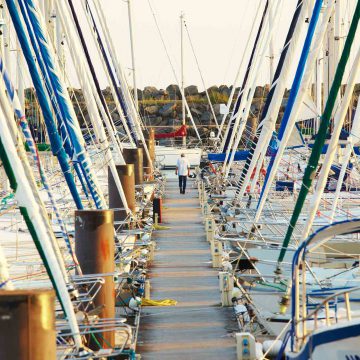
197, 327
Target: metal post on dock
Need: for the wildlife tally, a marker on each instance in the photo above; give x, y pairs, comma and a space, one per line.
27, 324
127, 179
210, 228
152, 247
136, 157
206, 209
226, 284
147, 289
157, 210
95, 249
150, 143
216, 253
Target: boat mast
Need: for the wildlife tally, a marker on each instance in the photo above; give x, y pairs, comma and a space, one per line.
182, 76
271, 45
298, 90
273, 101
136, 100
20, 81
320, 139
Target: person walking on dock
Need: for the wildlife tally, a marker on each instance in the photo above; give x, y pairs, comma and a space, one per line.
183, 171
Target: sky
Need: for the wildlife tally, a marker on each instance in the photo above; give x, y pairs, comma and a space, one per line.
218, 30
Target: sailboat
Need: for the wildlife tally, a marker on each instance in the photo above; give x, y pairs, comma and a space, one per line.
252, 213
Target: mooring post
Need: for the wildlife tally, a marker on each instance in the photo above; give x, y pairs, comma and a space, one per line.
136, 156
95, 249
127, 179
27, 324
150, 143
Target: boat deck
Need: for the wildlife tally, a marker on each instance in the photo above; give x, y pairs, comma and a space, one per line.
197, 327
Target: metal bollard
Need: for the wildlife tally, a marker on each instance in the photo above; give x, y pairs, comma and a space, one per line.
136, 157
127, 178
27, 325
95, 249
226, 284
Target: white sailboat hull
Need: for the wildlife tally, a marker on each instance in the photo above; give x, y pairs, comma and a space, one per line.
167, 156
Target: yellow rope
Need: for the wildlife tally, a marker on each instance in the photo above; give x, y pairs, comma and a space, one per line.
165, 302
160, 227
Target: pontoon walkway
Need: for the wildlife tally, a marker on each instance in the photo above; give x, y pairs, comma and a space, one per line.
197, 327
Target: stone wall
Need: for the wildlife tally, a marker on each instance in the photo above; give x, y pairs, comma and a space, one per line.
162, 108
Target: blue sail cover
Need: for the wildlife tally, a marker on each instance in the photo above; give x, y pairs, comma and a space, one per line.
239, 156
55, 140
65, 106
243, 154
295, 86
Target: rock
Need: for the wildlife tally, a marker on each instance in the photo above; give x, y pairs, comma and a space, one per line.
162, 92
174, 123
206, 117
140, 94
173, 91
266, 90
216, 108
251, 124
357, 89
191, 90
213, 89
151, 110
195, 112
254, 109
197, 121
162, 95
111, 107
167, 109
150, 92
225, 90
77, 93
156, 121
107, 93
259, 92
284, 102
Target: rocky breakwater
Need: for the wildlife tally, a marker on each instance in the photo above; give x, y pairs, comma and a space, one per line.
162, 108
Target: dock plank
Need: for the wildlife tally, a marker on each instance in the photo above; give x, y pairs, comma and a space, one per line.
197, 327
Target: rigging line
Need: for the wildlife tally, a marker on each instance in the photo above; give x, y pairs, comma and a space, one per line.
14, 100
121, 103
91, 67
31, 206
55, 139
275, 87
62, 95
229, 103
201, 75
228, 134
238, 40
245, 103
62, 128
326, 117
304, 71
172, 68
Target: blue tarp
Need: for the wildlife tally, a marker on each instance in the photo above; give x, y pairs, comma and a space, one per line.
285, 185
239, 155
325, 147
242, 154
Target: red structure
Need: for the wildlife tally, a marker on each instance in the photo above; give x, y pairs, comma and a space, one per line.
181, 132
